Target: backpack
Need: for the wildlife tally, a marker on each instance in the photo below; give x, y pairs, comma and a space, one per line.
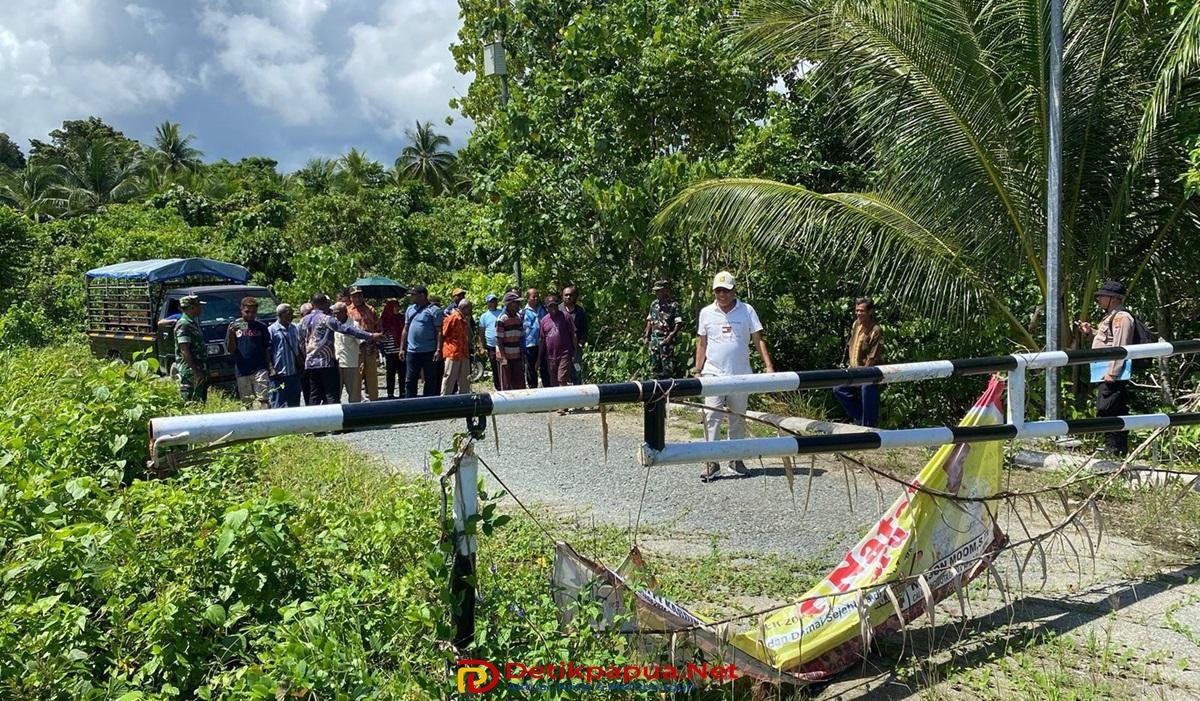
1141, 334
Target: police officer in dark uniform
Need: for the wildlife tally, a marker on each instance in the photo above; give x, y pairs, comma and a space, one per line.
190, 355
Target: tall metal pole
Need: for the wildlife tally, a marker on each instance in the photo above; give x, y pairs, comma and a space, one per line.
504, 105
1053, 201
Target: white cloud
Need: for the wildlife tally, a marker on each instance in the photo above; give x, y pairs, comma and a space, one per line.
275, 62
338, 73
47, 84
400, 67
152, 20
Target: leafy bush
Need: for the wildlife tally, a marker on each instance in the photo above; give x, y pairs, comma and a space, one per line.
290, 566
24, 325
15, 242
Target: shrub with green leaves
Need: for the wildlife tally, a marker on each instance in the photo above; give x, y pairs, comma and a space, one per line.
290, 566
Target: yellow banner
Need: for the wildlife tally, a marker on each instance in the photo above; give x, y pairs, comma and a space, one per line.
946, 540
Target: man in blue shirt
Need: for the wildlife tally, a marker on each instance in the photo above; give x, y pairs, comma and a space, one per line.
286, 359
248, 342
487, 324
421, 343
531, 317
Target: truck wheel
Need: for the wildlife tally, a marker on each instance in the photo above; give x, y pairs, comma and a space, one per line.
113, 354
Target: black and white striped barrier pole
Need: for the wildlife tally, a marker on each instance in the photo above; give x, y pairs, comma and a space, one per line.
1014, 365
208, 429
741, 449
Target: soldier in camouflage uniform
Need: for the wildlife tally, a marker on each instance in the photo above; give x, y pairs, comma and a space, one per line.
190, 355
663, 324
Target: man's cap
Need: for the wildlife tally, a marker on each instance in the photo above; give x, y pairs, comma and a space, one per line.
249, 301
723, 280
490, 298
510, 297
661, 285
356, 290
189, 301
458, 291
419, 289
1112, 288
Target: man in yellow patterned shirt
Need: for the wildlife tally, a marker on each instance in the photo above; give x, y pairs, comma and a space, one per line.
861, 404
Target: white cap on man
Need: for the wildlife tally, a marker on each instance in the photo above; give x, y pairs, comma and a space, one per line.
723, 280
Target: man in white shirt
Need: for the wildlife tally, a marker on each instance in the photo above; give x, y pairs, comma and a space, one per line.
346, 348
727, 327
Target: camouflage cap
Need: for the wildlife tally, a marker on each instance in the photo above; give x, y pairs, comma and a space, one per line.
189, 301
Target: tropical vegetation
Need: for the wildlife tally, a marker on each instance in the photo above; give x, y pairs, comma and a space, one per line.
820, 149
952, 96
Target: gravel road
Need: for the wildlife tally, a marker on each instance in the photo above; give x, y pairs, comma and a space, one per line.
755, 514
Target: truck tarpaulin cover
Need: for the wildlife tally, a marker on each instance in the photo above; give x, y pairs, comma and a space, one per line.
167, 269
949, 542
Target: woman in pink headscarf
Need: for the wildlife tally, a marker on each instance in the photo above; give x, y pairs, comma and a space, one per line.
391, 323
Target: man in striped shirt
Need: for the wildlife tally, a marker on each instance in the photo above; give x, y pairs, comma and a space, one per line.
510, 343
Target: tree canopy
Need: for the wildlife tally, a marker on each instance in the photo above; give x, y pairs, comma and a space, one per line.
952, 98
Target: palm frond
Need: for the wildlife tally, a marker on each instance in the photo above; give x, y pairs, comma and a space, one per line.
1180, 60
907, 258
925, 88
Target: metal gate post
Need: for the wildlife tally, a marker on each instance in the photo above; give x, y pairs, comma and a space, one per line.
654, 421
462, 576
1016, 395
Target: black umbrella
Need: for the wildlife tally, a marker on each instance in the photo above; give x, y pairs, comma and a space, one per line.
378, 287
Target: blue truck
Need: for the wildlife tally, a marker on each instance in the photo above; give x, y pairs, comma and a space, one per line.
133, 307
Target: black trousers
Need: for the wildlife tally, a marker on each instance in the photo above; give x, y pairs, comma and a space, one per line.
395, 373
421, 366
324, 386
1112, 399
304, 388
495, 364
533, 368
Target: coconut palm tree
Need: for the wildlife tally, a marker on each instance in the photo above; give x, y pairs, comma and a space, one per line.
356, 170
173, 151
317, 176
951, 94
32, 190
426, 160
103, 173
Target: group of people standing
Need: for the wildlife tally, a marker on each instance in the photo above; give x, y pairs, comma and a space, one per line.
334, 349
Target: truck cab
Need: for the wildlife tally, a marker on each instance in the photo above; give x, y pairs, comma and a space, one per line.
133, 307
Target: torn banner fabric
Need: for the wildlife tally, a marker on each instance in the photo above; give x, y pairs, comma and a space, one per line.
924, 548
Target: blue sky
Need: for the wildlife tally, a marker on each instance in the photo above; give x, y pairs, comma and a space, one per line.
288, 79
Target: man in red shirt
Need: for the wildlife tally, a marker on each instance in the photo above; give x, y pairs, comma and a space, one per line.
456, 350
